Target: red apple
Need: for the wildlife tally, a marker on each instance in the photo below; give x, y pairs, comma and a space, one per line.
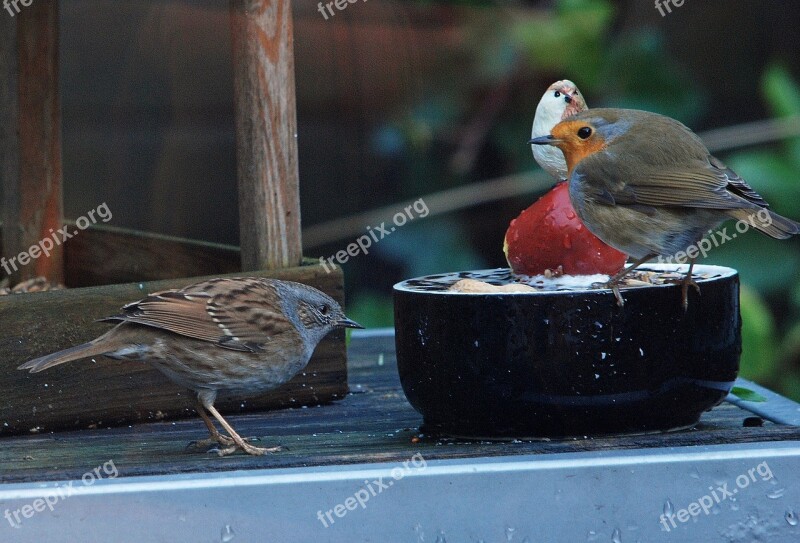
549, 235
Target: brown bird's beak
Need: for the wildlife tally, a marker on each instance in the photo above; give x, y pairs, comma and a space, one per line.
545, 140
347, 323
568, 98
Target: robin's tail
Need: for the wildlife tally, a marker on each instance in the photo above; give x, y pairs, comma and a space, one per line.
768, 222
104, 344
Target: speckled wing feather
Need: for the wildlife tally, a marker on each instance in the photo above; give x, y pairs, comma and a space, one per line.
242, 314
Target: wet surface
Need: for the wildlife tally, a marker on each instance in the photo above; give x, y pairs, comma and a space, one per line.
646, 275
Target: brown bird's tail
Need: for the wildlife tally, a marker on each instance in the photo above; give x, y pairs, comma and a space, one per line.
101, 345
768, 222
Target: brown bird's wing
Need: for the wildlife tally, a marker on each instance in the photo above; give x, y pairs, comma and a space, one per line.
693, 183
239, 314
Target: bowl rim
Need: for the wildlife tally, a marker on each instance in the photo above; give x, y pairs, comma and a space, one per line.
719, 273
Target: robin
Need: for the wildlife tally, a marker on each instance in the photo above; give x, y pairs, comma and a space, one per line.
647, 185
561, 100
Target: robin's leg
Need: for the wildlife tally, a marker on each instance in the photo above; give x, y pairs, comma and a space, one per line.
685, 283
613, 283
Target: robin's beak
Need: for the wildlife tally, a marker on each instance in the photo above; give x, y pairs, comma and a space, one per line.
545, 140
347, 323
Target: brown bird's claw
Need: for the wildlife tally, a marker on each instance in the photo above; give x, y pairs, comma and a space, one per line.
218, 439
246, 447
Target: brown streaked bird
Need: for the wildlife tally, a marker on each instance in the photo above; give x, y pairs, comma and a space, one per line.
647, 185
235, 335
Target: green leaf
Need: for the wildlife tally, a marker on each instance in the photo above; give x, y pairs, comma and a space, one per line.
759, 360
782, 94
781, 91
747, 395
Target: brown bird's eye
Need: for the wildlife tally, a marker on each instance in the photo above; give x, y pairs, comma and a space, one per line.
584, 132
557, 94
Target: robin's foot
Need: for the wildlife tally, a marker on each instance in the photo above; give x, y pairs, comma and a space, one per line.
613, 284
685, 283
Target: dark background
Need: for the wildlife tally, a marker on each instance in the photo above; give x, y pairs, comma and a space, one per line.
397, 101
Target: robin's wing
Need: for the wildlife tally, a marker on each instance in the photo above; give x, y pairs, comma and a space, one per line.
238, 314
694, 183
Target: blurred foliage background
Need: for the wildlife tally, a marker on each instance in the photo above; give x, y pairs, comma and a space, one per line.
402, 100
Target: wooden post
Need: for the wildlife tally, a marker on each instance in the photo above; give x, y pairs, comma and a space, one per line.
30, 141
266, 132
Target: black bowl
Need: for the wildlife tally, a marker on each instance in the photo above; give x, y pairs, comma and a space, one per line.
561, 363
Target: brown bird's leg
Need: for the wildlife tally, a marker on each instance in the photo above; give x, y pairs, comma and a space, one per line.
613, 283
216, 437
238, 442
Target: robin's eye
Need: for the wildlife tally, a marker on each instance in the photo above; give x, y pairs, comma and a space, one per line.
584, 132
324, 309
557, 94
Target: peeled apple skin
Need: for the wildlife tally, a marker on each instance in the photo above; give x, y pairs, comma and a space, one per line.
549, 234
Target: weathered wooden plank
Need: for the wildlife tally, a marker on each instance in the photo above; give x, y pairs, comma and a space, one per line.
266, 131
86, 394
373, 423
32, 181
9, 121
105, 255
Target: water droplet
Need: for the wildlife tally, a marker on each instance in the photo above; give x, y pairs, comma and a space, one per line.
592, 536
420, 533
510, 534
227, 534
777, 493
616, 536
694, 474
567, 241
791, 517
668, 508
440, 538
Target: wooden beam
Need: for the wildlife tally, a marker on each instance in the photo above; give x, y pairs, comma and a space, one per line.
30, 145
266, 131
9, 137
